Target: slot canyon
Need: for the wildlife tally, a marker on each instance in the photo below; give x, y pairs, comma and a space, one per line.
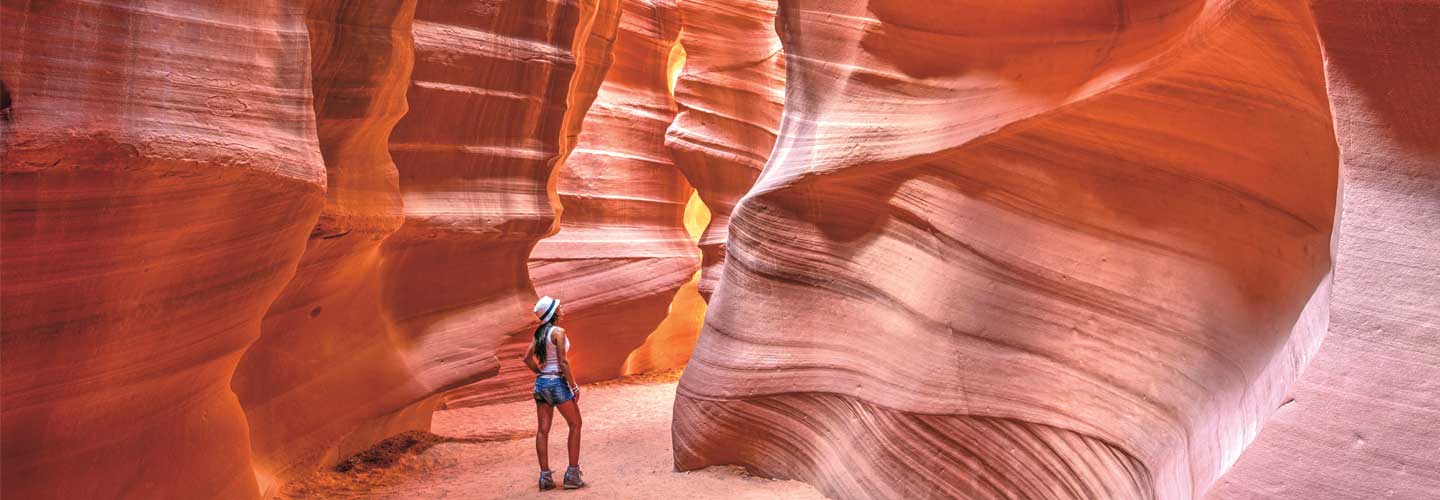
848, 249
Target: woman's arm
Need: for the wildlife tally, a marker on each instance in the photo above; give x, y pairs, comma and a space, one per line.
529, 358
562, 358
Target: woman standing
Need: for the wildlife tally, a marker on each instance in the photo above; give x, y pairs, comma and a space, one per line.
555, 387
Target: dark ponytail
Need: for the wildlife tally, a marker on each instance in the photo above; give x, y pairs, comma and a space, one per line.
540, 333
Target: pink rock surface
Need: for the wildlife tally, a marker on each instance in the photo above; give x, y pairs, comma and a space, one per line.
494, 100
730, 94
1365, 418
1010, 251
669, 346
162, 170
329, 329
160, 175
622, 251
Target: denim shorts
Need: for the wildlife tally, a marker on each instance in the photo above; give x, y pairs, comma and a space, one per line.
552, 391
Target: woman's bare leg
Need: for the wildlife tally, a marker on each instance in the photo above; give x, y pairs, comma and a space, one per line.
544, 413
570, 410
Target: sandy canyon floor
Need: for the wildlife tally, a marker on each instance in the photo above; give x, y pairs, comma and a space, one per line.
488, 452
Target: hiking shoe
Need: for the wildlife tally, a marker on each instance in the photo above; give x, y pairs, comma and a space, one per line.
546, 481
573, 479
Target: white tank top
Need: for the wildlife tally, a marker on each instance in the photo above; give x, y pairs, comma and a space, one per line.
552, 360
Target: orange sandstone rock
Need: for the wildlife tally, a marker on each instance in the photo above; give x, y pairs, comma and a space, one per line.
670, 344
622, 251
300, 383
495, 98
160, 175
1364, 421
1010, 251
730, 94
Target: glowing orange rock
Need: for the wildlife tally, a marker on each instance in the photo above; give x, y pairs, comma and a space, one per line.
1360, 423
730, 93
1010, 251
160, 175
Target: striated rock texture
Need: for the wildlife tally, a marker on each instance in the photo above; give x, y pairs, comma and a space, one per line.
730, 94
1003, 251
1362, 423
622, 251
163, 165
329, 328
670, 344
495, 100
160, 175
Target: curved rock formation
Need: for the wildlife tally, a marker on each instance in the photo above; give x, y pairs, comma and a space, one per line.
1362, 422
730, 94
1019, 252
670, 344
622, 251
328, 329
160, 176
496, 96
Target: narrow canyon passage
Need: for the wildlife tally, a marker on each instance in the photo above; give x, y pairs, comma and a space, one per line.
487, 452
1064, 249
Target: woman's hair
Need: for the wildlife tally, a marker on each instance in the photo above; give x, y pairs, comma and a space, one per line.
540, 333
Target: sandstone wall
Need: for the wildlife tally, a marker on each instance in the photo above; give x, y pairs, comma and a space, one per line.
328, 330
730, 94
1078, 251
1360, 423
621, 252
161, 172
163, 167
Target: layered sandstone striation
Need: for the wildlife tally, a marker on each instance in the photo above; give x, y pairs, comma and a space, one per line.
1079, 251
1361, 423
163, 168
329, 329
496, 98
160, 176
669, 346
622, 251
730, 94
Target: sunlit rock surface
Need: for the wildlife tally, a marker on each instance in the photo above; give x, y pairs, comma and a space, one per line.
1072, 252
622, 251
160, 175
329, 329
1365, 418
669, 346
730, 93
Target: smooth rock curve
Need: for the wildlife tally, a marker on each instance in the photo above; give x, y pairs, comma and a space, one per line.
1099, 236
730, 93
161, 172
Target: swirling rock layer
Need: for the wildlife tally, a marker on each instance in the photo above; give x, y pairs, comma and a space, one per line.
162, 171
495, 100
328, 328
1361, 422
730, 94
622, 251
160, 175
670, 344
1061, 243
